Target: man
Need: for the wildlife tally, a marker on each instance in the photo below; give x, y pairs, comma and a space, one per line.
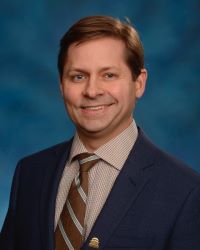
133, 195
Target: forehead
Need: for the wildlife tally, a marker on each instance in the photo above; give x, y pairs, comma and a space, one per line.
101, 50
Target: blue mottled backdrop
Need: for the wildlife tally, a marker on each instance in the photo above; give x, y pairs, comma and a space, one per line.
32, 114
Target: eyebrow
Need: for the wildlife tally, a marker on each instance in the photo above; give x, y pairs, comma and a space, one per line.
77, 69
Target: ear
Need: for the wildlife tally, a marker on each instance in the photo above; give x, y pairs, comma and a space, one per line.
140, 83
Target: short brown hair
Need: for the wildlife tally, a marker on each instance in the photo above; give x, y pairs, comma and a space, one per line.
94, 27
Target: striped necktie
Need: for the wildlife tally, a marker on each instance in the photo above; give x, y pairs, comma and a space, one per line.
69, 232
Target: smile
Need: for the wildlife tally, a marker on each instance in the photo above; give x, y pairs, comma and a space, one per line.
94, 107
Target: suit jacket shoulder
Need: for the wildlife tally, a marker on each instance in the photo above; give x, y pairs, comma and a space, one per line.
44, 154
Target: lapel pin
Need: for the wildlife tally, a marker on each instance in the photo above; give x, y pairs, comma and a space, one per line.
94, 243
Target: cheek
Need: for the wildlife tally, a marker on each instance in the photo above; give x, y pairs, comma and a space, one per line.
128, 99
71, 96
116, 91
124, 94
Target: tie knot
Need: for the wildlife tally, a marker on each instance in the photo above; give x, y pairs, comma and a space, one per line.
87, 161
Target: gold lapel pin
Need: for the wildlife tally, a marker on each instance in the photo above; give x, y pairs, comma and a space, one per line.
94, 243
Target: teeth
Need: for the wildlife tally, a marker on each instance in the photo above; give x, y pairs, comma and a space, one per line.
94, 108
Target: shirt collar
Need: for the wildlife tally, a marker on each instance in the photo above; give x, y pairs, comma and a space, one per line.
119, 146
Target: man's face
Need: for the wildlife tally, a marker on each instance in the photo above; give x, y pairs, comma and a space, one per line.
98, 88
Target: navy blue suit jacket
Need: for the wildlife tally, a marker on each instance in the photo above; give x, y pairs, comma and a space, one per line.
154, 203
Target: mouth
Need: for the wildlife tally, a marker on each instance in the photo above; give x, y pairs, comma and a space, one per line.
96, 107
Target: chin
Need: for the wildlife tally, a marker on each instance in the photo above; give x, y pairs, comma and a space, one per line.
92, 130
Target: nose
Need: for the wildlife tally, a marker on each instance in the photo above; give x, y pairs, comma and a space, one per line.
93, 88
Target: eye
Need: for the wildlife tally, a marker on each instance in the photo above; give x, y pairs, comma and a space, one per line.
77, 77
110, 75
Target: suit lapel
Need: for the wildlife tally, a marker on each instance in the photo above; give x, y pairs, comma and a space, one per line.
129, 184
52, 175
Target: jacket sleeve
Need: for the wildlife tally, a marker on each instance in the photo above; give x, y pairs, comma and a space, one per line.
186, 231
8, 234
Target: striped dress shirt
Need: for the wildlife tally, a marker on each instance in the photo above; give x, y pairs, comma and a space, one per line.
102, 176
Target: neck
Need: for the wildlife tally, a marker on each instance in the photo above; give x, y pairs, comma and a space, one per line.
93, 143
